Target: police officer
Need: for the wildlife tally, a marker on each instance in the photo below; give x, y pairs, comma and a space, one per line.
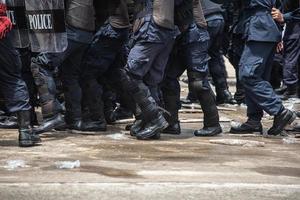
80, 33
102, 57
153, 37
215, 25
262, 36
12, 86
190, 53
291, 46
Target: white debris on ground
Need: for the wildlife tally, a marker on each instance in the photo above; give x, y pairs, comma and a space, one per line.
292, 104
289, 140
237, 142
67, 164
15, 164
117, 136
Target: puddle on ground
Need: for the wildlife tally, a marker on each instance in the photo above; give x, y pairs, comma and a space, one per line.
278, 171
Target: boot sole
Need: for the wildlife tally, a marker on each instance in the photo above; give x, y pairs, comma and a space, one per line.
281, 128
26, 143
209, 135
38, 132
171, 132
244, 133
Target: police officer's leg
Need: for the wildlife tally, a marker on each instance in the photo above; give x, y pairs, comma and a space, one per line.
109, 101
254, 114
234, 56
216, 63
28, 78
15, 92
140, 61
290, 70
196, 58
156, 73
42, 67
114, 77
254, 71
276, 77
100, 56
171, 91
70, 76
253, 123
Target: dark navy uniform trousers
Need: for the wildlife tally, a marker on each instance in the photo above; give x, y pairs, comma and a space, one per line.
12, 86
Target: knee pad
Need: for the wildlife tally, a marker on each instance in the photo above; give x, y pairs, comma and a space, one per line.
196, 82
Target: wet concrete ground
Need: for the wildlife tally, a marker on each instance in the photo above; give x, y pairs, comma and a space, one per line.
114, 165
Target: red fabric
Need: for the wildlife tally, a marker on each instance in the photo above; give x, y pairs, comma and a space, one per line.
5, 23
2, 9
5, 26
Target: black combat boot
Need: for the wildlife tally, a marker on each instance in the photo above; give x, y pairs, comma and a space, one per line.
291, 92
172, 106
281, 120
225, 97
57, 121
95, 120
153, 129
109, 107
207, 101
46, 86
139, 124
26, 136
154, 121
212, 125
10, 122
122, 113
239, 95
250, 126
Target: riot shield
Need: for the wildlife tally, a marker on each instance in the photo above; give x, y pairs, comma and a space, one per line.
46, 24
16, 13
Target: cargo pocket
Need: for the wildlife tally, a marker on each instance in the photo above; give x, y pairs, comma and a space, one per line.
248, 68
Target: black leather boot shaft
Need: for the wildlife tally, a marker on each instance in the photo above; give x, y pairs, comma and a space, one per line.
209, 108
25, 131
172, 105
281, 120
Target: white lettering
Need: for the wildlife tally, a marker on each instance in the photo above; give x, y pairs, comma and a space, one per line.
11, 15
40, 21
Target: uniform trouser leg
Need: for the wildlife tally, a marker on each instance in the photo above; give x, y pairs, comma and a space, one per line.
42, 68
155, 76
99, 58
291, 56
255, 72
114, 78
71, 72
216, 63
12, 86
198, 79
146, 65
28, 78
15, 91
171, 90
234, 54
